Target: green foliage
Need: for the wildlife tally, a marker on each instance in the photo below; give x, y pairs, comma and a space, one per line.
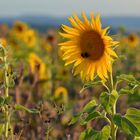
128, 78
131, 81
133, 115
108, 100
88, 113
1, 129
5, 100
130, 122
91, 134
137, 138
23, 108
90, 84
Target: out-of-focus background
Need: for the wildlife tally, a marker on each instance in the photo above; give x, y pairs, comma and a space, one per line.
51, 13
29, 29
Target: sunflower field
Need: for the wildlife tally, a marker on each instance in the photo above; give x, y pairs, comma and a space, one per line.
76, 82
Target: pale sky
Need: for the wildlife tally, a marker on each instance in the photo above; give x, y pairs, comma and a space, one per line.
68, 7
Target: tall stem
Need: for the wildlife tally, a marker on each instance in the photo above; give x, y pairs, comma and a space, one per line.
111, 80
6, 94
113, 126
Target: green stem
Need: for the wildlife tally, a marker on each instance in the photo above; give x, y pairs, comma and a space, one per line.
6, 94
111, 80
106, 87
113, 131
47, 135
113, 126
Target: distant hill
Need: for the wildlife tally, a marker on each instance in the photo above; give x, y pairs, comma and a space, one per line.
44, 22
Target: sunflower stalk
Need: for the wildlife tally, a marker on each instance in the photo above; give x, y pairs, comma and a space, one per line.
6, 91
113, 126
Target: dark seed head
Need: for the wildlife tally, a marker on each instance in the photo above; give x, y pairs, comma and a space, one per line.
85, 55
47, 121
82, 54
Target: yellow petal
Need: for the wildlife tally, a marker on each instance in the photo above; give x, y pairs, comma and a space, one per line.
72, 21
98, 23
85, 19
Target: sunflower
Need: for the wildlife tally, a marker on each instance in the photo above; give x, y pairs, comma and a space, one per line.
133, 40
61, 92
3, 42
37, 66
89, 47
19, 29
30, 38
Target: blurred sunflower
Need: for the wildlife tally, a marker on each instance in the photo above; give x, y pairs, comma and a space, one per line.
133, 40
30, 38
19, 28
61, 92
45, 45
89, 47
14, 43
37, 66
3, 42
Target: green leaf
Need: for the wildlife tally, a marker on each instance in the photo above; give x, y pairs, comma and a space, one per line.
11, 83
104, 99
2, 100
8, 100
133, 115
126, 91
113, 98
1, 129
5, 100
74, 119
128, 78
137, 138
108, 100
90, 106
88, 109
90, 84
89, 117
106, 132
23, 108
126, 125
91, 134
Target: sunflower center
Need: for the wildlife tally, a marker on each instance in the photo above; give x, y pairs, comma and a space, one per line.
131, 38
92, 45
19, 28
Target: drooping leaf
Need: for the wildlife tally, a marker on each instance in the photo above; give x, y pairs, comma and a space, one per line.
90, 84
133, 115
124, 124
128, 78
